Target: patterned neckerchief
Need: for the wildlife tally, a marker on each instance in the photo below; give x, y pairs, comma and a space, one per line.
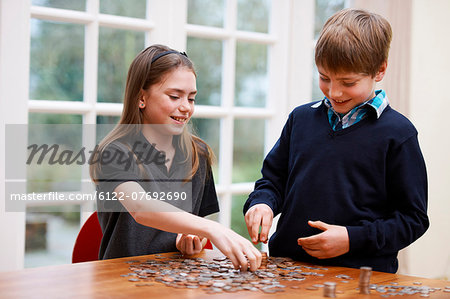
339, 121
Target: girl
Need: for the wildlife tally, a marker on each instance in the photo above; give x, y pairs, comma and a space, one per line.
151, 155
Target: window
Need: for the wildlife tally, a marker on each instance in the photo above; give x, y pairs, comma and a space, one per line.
231, 50
79, 57
324, 10
246, 54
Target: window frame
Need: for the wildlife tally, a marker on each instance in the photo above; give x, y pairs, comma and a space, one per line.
291, 28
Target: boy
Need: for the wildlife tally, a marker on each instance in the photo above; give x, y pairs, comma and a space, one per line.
347, 174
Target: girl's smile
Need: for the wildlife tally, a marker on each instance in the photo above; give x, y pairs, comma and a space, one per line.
171, 101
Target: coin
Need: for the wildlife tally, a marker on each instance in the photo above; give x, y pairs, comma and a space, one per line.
219, 259
318, 285
144, 284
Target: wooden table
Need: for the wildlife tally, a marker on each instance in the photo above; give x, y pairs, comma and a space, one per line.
102, 279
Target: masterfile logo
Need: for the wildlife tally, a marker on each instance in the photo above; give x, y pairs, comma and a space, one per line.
51, 163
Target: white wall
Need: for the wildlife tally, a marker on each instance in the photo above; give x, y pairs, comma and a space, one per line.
13, 89
418, 72
429, 111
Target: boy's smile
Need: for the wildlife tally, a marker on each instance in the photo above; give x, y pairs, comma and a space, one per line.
347, 90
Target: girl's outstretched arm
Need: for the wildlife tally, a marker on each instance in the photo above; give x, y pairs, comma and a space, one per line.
164, 216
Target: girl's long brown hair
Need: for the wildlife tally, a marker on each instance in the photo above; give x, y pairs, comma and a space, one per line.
141, 75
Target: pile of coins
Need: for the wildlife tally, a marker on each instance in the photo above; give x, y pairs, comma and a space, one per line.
395, 289
364, 280
264, 260
392, 289
329, 289
219, 275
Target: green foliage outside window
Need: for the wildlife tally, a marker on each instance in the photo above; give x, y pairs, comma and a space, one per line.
56, 61
64, 4
116, 50
129, 8
206, 12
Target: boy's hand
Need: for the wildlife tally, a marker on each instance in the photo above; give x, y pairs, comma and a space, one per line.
189, 244
332, 242
259, 215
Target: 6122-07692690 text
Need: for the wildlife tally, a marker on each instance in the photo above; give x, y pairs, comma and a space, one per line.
169, 196
73, 196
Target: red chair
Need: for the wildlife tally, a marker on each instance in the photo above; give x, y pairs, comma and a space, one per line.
88, 241
208, 245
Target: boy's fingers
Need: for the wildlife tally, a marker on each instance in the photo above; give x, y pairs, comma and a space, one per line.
249, 222
318, 224
314, 253
312, 240
258, 215
255, 223
265, 227
310, 247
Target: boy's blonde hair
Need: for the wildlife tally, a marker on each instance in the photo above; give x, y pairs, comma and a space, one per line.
354, 40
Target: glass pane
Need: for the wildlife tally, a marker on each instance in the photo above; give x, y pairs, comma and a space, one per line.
248, 152
207, 57
117, 49
251, 75
65, 4
317, 94
237, 217
50, 234
105, 125
253, 15
56, 61
324, 10
129, 8
206, 12
209, 130
65, 132
46, 118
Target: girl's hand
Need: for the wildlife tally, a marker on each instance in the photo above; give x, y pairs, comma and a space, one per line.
239, 250
332, 242
190, 244
259, 215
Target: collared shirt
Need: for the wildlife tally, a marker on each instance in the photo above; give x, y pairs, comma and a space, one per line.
356, 194
339, 121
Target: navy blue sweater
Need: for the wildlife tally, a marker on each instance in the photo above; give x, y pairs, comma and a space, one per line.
369, 177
